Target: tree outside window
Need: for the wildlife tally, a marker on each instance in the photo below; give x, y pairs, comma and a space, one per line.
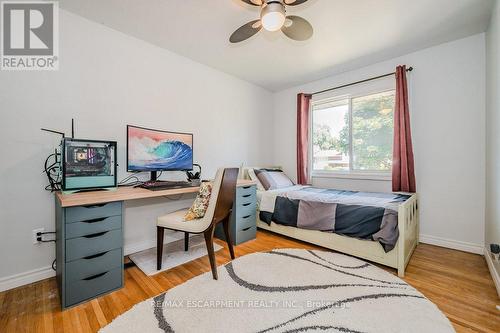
354, 134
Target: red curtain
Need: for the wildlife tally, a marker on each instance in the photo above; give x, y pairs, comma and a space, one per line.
403, 169
303, 102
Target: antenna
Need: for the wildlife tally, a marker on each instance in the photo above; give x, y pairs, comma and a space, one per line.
52, 131
61, 133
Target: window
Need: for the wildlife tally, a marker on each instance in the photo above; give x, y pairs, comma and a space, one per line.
353, 134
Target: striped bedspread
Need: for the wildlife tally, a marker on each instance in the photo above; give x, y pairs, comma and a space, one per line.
363, 215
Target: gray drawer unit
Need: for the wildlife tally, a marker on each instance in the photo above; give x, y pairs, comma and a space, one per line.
88, 288
246, 221
244, 216
92, 265
89, 251
84, 213
90, 245
245, 234
93, 226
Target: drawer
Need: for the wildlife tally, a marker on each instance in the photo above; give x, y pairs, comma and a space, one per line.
93, 226
90, 287
245, 235
245, 209
246, 221
89, 245
243, 191
247, 198
84, 213
92, 265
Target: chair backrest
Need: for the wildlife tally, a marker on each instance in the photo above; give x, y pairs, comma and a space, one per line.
226, 195
221, 199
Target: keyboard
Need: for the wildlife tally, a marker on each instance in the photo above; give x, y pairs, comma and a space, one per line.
165, 185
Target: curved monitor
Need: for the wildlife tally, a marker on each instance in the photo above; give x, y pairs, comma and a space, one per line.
155, 150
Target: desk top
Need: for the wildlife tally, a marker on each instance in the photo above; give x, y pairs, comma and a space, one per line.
125, 193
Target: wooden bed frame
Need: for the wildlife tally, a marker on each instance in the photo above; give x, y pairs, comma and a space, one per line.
398, 258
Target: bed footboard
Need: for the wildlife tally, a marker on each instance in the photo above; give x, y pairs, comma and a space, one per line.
408, 224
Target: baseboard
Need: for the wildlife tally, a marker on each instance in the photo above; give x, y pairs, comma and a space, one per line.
494, 269
24, 278
452, 244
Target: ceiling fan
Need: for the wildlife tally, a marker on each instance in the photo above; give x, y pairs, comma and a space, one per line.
273, 18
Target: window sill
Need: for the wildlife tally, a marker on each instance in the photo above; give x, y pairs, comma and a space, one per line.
358, 176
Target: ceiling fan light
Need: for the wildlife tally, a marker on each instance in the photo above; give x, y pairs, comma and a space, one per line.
273, 16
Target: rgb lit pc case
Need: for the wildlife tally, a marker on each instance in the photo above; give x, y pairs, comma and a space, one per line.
88, 164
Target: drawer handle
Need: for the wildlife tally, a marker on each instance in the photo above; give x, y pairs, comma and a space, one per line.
246, 187
245, 217
95, 256
96, 276
95, 220
246, 195
96, 235
95, 206
247, 229
246, 204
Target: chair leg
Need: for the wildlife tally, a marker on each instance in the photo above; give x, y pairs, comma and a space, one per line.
227, 232
186, 241
209, 240
159, 246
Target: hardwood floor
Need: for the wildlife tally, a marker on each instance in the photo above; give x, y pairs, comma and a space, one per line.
458, 282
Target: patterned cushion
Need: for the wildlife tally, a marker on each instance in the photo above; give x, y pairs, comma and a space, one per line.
200, 204
273, 179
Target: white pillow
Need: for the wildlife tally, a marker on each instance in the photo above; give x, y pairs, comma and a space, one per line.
273, 179
253, 176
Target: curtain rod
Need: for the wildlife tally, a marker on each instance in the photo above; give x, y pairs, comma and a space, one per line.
409, 69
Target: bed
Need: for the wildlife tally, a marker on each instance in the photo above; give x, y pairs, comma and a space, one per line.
391, 248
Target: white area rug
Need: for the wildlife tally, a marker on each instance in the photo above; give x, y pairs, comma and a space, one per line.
288, 291
173, 255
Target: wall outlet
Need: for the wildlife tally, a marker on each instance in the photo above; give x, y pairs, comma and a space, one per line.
35, 231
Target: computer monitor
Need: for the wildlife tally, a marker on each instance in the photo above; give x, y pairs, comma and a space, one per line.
155, 150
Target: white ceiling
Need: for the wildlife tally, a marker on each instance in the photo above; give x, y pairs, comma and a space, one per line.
348, 33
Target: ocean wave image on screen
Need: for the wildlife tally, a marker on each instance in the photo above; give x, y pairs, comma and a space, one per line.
149, 154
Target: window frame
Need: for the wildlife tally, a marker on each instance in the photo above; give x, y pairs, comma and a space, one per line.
351, 173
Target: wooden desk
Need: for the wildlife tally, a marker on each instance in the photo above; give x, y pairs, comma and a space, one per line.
89, 233
125, 194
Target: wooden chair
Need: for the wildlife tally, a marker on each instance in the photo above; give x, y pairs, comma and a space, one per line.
218, 211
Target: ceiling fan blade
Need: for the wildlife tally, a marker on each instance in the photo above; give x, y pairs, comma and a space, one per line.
246, 31
253, 2
298, 28
294, 2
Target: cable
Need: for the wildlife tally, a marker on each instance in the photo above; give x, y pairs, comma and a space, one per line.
128, 178
53, 172
39, 237
134, 177
54, 264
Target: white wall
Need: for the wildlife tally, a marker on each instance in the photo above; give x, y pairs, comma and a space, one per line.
107, 80
492, 230
447, 91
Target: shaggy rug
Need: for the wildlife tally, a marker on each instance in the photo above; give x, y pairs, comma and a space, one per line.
288, 290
